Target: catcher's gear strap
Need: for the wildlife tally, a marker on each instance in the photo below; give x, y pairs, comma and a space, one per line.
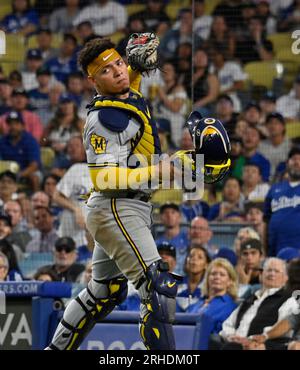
83, 312
141, 51
160, 290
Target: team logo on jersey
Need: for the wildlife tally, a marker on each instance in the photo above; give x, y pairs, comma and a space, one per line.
98, 143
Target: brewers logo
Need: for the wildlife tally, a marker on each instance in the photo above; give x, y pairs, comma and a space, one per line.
98, 143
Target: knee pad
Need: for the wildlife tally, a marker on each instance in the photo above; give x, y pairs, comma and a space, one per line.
158, 294
91, 305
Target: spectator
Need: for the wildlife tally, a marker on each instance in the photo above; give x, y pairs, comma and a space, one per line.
244, 234
255, 216
261, 310
171, 103
218, 299
61, 20
183, 60
278, 337
75, 183
168, 254
230, 75
28, 153
40, 96
290, 17
155, 16
276, 148
14, 272
8, 187
225, 113
205, 84
231, 11
201, 234
253, 188
267, 105
44, 233
237, 160
75, 87
15, 80
75, 154
221, 37
32, 122
251, 141
33, 62
107, 17
44, 274
64, 260
23, 20
44, 40
255, 47
289, 105
202, 22
252, 114
269, 21
250, 261
65, 63
171, 218
4, 267
189, 291
65, 124
231, 207
5, 96
282, 208
186, 140
183, 33
85, 32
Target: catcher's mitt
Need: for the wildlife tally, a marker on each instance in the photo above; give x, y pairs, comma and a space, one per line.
141, 51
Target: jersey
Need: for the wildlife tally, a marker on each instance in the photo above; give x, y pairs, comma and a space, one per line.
282, 210
117, 132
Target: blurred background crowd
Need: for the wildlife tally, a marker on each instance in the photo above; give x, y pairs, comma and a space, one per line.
234, 60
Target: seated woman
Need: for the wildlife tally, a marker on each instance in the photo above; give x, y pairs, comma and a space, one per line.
218, 298
189, 291
231, 208
171, 102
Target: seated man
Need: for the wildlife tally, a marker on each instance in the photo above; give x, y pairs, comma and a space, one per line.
20, 146
64, 260
260, 311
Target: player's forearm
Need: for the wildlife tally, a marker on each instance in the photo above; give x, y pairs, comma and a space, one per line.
125, 178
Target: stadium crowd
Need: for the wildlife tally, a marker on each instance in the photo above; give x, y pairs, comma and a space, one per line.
243, 289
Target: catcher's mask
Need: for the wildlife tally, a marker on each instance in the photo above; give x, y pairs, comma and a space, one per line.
210, 139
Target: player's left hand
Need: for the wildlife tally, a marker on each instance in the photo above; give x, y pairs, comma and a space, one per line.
141, 51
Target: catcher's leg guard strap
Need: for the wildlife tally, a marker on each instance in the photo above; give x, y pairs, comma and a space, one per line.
158, 297
92, 305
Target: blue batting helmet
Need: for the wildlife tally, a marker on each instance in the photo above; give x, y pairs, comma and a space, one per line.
210, 139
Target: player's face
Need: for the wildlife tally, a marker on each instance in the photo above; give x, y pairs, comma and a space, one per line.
112, 78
